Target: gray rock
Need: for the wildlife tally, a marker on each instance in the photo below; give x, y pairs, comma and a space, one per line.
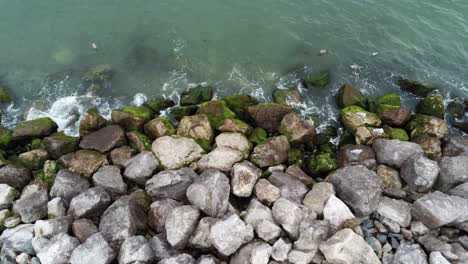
52, 227
12, 221
235, 141
179, 259
32, 207
281, 250
456, 146
337, 213
221, 158
460, 190
210, 193
436, 258
432, 243
104, 139
140, 168
95, 250
18, 238
208, 259
83, 229
58, 249
229, 234
297, 172
90, 203
121, 220
180, 224
298, 130
311, 235
200, 238
158, 212
460, 252
390, 225
243, 254
161, 248
419, 172
394, 152
56, 207
244, 175
120, 155
68, 185
15, 176
410, 254
136, 249
438, 209
350, 155
289, 215
266, 192
290, 187
419, 229
7, 195
348, 247
109, 178
316, 198
453, 171
23, 258
260, 253
271, 153
358, 187
261, 219
396, 210
463, 240
170, 184
87, 162
176, 152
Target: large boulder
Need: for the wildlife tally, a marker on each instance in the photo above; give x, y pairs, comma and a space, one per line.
395, 116
266, 192
180, 223
139, 141
59, 144
90, 203
32, 207
350, 155
221, 158
140, 168
290, 187
271, 153
58, 249
51, 227
176, 152
216, 111
110, 179
84, 229
395, 152
34, 159
68, 185
453, 171
132, 118
159, 103
197, 127
298, 130
244, 175
420, 125
456, 146
348, 95
14, 176
40, 127
87, 162
355, 116
261, 219
104, 139
432, 105
95, 250
170, 184
268, 116
398, 211
229, 234
91, 121
159, 127
358, 187
196, 95
419, 172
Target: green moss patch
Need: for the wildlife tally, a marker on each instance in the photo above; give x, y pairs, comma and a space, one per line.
196, 95
216, 111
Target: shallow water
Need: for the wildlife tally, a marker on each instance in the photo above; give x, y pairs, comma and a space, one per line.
248, 46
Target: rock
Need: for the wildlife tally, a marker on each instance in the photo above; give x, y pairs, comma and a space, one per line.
84, 229
350, 155
460, 190
273, 152
94, 250
289, 215
432, 105
419, 172
235, 126
453, 171
281, 250
312, 234
87, 162
91, 121
159, 103
238, 103
368, 135
59, 144
395, 116
14, 176
18, 238
139, 141
290, 187
316, 198
23, 258
415, 87
68, 185
197, 127
297, 172
396, 210
90, 203
121, 220
178, 112
355, 116
7, 195
170, 184
430, 145
119, 156
140, 167
208, 259
159, 127
358, 187
266, 192
178, 259
420, 125
258, 136
52, 227
456, 107
200, 238
57, 207
158, 212
196, 95
244, 175
221, 158
5, 137
394, 152
348, 95
268, 116
216, 111
98, 73
229, 234
161, 248
142, 198
32, 208
260, 254
411, 253
261, 219
436, 258
36, 128
132, 118
58, 249
389, 176
438, 209
235, 141
287, 97
337, 214
431, 243
110, 179
298, 130
180, 223
136, 249
456, 146
317, 79
176, 152
104, 139
348, 247
34, 159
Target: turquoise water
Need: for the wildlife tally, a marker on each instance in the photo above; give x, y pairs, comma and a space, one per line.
243, 45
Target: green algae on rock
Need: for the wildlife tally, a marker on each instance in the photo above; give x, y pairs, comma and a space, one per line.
238, 103
317, 79
420, 125
258, 136
397, 133
59, 144
432, 105
91, 121
98, 73
5, 137
158, 127
296, 156
415, 87
132, 118
384, 103
196, 95
35, 128
197, 127
34, 159
355, 116
216, 111
159, 104
138, 140
348, 95
289, 97
234, 125
268, 116
178, 112
321, 163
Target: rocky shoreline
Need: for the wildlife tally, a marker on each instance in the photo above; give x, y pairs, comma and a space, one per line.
237, 181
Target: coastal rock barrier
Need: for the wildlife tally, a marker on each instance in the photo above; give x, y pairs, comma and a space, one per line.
234, 181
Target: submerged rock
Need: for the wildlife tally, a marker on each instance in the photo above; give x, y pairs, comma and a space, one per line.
132, 118
176, 152
288, 97
317, 79
268, 116
104, 139
348, 95
196, 95
415, 87
273, 152
159, 103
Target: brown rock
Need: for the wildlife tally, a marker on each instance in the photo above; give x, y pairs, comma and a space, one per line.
197, 127
91, 121
268, 116
83, 229
104, 139
350, 155
430, 145
87, 162
159, 127
273, 152
120, 155
297, 129
389, 176
396, 116
234, 125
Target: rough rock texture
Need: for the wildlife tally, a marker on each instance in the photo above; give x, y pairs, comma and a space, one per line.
119, 156
316, 198
197, 127
170, 184
158, 212
176, 152
358, 187
52, 227
350, 155
419, 172
159, 127
200, 238
221, 158
87, 162
16, 177
110, 179
244, 175
261, 219
271, 153
7, 195
95, 250
68, 185
460, 190
91, 121
32, 207
104, 139
90, 203
453, 171
266, 192
396, 210
136, 249
430, 145
59, 144
268, 116
180, 223
289, 215
289, 186
389, 176
140, 168
394, 152
456, 146
58, 249
410, 254
298, 130
337, 213
235, 141
229, 234
84, 229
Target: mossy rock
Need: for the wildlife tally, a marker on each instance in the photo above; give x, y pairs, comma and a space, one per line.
321, 163
290, 97
48, 173
415, 87
234, 125
216, 111
139, 111
238, 103
318, 79
354, 116
91, 121
397, 133
5, 138
268, 116
132, 118
159, 104
139, 141
98, 73
295, 156
432, 105
196, 95
348, 95
258, 136
347, 138
325, 135
34, 159
178, 112
384, 103
59, 144
36, 143
158, 127
4, 95
40, 127
457, 107
420, 125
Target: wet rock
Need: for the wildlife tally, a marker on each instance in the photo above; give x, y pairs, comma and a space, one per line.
132, 118
91, 121
180, 224
317, 79
14, 176
90, 203
34, 159
244, 175
398, 211
427, 125
221, 158
273, 152
316, 198
355, 116
348, 247
159, 103
266, 192
176, 152
178, 259
170, 184
394, 152
348, 95
430, 145
7, 195
140, 168
52, 227
298, 130
268, 116
289, 215
32, 207
436, 258
18, 238
197, 127
350, 155
95, 250
229, 234
460, 190
83, 229
196, 95
288, 97
281, 250
337, 213
36, 128
139, 141
57, 207
419, 172
59, 144
210, 193
395, 116
411, 253
261, 219
159, 127
178, 112
216, 111
136, 249
68, 185
453, 171
432, 105
110, 179
87, 162
104, 139
235, 126
200, 238
289, 186
58, 249
124, 218
238, 103
358, 187
415, 87
120, 155
456, 146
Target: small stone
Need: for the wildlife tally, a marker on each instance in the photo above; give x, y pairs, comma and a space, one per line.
7, 195
16, 177
290, 187
431, 243
176, 152
87, 162
95, 250
33, 207
180, 223
221, 158
56, 207
419, 172
389, 176
179, 259
83, 229
273, 152
23, 258
52, 227
244, 175
412, 253
453, 171
104, 139
229, 234
318, 196
436, 258
281, 250
337, 213
350, 155
419, 229
68, 185
110, 179
90, 203
119, 156
136, 249
266, 192
58, 249
396, 210
289, 215
200, 238
297, 172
